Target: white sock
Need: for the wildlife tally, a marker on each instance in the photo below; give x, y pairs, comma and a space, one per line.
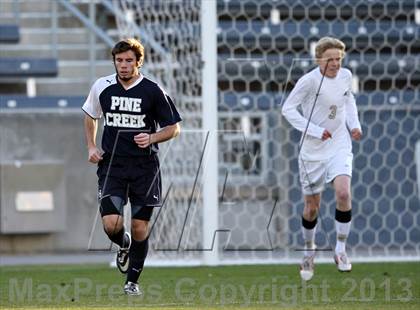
309, 238
343, 230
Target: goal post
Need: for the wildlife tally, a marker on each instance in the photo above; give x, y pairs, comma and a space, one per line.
210, 123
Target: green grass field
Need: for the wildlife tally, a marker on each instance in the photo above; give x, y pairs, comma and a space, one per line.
368, 286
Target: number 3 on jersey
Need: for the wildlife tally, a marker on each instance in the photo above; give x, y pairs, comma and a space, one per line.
333, 110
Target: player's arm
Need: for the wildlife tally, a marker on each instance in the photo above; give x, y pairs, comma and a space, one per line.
352, 118
352, 121
91, 128
93, 111
166, 114
143, 140
290, 111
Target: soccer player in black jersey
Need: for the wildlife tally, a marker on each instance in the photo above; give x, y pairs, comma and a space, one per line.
133, 107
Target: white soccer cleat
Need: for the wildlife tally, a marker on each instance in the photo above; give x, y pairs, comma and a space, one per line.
343, 262
133, 289
307, 267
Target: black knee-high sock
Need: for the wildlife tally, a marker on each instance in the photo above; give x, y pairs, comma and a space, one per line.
137, 255
117, 237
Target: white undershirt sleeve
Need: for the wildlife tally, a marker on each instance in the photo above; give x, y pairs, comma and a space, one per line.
92, 107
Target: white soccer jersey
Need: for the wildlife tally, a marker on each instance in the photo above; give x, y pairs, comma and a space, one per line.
335, 110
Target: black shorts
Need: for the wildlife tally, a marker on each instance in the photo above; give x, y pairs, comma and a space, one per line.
134, 178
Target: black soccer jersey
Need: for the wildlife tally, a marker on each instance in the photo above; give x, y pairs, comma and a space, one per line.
127, 112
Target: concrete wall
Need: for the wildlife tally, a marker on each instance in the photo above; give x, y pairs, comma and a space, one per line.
48, 137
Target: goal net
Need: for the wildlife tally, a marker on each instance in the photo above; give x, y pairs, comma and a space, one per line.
170, 33
263, 48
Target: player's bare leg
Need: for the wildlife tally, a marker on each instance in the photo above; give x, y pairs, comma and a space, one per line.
342, 221
114, 227
309, 220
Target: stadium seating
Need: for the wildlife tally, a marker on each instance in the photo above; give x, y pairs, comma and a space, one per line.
12, 68
53, 37
361, 65
28, 67
9, 34
308, 9
12, 103
382, 44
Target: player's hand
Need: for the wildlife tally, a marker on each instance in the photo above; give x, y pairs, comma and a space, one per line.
356, 134
95, 155
143, 140
326, 135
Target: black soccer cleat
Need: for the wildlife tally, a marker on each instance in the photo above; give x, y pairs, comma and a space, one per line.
122, 255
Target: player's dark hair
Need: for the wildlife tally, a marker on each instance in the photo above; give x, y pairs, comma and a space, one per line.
130, 44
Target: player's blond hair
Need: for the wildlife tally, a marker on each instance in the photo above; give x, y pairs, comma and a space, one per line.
129, 44
326, 43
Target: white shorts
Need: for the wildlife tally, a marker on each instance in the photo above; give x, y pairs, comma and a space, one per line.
315, 174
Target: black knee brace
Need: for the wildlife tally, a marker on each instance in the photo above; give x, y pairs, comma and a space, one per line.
111, 205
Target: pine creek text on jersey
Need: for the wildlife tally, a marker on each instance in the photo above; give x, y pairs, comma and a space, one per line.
125, 120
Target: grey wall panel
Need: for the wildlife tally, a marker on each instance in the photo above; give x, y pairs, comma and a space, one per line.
36, 136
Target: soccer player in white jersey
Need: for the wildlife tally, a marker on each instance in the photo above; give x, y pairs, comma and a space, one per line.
326, 149
128, 166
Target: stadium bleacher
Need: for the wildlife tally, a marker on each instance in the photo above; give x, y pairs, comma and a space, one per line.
14, 103
28, 67
9, 34
382, 43
53, 48
23, 67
